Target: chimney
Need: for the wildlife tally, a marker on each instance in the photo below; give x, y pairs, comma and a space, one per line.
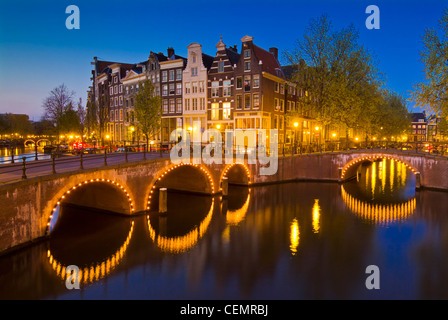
274, 51
170, 52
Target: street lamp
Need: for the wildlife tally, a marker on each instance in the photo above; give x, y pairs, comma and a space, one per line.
296, 125
132, 133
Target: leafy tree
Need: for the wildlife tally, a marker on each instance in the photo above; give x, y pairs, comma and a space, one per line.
433, 93
339, 76
147, 111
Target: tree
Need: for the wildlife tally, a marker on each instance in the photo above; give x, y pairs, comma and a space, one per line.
339, 76
57, 103
147, 111
392, 117
433, 93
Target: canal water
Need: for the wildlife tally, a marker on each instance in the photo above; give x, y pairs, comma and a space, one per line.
284, 241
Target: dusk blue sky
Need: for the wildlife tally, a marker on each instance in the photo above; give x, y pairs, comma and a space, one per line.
38, 53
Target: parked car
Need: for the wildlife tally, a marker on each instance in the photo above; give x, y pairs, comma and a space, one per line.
124, 149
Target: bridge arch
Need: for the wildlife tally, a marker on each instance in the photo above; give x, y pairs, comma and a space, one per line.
237, 173
107, 184
35, 142
181, 177
347, 173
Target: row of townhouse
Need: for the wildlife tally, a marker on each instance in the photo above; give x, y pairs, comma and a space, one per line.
230, 90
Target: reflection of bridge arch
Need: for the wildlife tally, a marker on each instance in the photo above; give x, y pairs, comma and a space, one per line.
166, 171
373, 157
383, 214
182, 243
234, 217
68, 191
97, 271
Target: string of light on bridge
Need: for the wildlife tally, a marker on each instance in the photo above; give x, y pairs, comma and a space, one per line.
85, 182
373, 158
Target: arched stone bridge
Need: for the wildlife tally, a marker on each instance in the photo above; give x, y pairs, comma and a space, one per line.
131, 188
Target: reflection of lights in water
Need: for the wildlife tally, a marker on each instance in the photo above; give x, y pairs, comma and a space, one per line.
182, 243
97, 271
382, 214
294, 236
316, 216
234, 217
382, 174
392, 175
373, 180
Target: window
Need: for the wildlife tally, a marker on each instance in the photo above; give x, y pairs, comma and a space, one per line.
111, 115
247, 66
121, 100
127, 90
276, 86
115, 79
116, 102
194, 58
256, 100
226, 110
164, 76
221, 66
172, 105
179, 74
202, 103
256, 80
172, 89
247, 101
194, 87
194, 103
215, 89
227, 90
179, 105
165, 106
276, 104
164, 90
111, 90
121, 114
194, 71
239, 83
121, 88
171, 75
187, 87
179, 122
282, 105
201, 86
282, 89
246, 54
116, 115
132, 102
215, 111
187, 104
246, 83
239, 102
179, 88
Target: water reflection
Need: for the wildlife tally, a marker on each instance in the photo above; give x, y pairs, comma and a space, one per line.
179, 243
286, 241
383, 181
95, 271
383, 193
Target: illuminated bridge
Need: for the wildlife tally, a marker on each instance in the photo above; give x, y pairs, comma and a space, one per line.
132, 187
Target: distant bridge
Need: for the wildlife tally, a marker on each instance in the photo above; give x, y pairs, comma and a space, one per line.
130, 185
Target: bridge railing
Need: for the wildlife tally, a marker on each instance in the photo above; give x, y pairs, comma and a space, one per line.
27, 165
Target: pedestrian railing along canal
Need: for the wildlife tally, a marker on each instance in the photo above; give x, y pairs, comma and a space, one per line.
21, 168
